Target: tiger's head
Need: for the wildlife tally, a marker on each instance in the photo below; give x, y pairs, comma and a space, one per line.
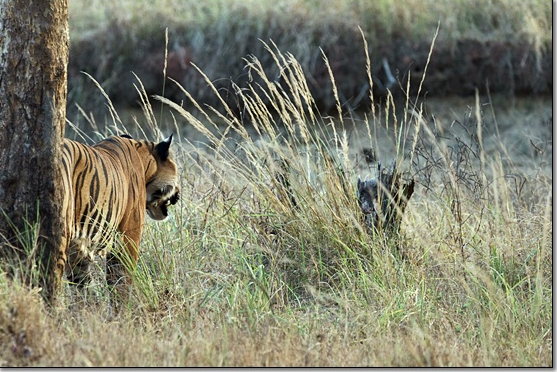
162, 189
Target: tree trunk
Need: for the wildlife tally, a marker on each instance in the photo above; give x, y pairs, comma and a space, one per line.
33, 72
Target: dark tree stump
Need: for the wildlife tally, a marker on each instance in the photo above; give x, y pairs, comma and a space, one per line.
384, 199
33, 62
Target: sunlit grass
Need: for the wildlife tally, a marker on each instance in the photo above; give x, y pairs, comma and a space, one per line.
266, 259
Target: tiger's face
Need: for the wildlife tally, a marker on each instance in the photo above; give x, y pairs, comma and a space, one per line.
162, 189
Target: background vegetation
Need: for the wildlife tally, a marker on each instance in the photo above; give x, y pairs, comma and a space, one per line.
239, 275
503, 45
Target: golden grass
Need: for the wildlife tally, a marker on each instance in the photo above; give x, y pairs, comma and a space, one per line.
240, 276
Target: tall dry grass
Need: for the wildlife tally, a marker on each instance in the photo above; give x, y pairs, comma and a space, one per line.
266, 260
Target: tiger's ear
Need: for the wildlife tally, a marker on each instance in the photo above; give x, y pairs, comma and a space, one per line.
162, 148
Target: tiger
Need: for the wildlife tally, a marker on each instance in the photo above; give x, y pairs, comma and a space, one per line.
107, 190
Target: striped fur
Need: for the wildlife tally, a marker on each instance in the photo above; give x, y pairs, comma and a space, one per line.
108, 188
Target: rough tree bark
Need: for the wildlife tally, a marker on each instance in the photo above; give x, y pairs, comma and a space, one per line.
33, 72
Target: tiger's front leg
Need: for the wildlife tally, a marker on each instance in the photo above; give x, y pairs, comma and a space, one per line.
79, 261
84, 285
120, 263
122, 260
